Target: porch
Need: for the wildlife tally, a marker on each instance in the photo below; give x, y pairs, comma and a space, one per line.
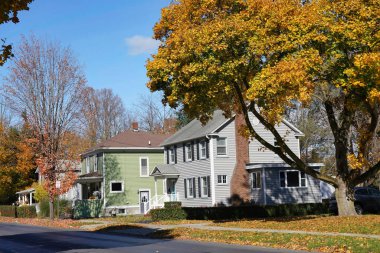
26, 197
169, 174
90, 186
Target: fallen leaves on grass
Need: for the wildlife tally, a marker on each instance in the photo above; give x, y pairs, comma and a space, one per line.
329, 244
366, 224
40, 222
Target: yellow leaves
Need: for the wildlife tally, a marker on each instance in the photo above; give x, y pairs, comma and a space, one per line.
357, 162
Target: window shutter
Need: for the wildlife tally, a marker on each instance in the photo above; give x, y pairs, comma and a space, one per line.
207, 149
184, 183
175, 154
167, 155
192, 150
197, 149
194, 192
184, 153
199, 187
208, 186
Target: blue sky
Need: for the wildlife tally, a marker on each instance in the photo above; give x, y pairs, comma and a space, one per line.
111, 39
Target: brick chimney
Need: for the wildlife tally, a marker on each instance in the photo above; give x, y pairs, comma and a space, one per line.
135, 126
240, 188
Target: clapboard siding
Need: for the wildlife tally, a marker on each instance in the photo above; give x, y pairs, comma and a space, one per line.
278, 195
259, 154
224, 165
191, 169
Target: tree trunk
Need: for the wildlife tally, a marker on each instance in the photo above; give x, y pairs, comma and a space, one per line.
240, 189
51, 208
344, 199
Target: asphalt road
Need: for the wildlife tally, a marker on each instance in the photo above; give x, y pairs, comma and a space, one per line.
30, 239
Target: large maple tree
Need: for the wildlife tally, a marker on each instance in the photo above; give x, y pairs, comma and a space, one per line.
263, 55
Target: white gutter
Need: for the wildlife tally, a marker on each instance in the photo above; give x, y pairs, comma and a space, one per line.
104, 182
212, 167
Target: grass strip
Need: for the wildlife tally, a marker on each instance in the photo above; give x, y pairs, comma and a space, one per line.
276, 240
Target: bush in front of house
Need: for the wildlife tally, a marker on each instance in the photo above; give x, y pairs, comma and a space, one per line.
65, 208
171, 211
8, 211
26, 212
173, 204
243, 212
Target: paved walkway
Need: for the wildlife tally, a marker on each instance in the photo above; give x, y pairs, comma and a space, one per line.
147, 229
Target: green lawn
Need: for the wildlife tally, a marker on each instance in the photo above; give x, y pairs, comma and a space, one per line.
365, 224
277, 240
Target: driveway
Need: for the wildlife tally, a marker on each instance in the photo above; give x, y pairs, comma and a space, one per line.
25, 238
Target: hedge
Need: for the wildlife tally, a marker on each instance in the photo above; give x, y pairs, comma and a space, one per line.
242, 212
173, 204
8, 211
65, 209
167, 214
26, 212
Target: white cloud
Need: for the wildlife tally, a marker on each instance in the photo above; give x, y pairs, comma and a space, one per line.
141, 45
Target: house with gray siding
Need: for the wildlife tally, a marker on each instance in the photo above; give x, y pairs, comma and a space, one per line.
200, 160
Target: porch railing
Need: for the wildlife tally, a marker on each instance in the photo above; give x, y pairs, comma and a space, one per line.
158, 200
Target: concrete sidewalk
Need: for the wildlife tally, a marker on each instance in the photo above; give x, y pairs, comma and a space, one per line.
146, 229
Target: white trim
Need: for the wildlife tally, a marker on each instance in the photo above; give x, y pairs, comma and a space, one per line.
171, 150
104, 181
295, 129
261, 183
147, 166
192, 179
202, 186
217, 179
155, 186
188, 147
251, 166
212, 168
200, 149
286, 179
149, 197
122, 186
96, 163
226, 146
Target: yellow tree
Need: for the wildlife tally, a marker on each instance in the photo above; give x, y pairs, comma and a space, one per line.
17, 164
264, 54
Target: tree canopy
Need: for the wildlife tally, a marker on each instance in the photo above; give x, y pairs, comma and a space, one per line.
263, 55
9, 13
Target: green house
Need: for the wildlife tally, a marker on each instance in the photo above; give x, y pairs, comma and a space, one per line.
115, 175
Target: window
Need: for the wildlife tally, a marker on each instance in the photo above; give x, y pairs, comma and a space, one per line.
222, 179
144, 167
292, 178
87, 165
96, 163
204, 186
256, 180
121, 210
189, 153
117, 186
221, 146
171, 155
202, 147
190, 187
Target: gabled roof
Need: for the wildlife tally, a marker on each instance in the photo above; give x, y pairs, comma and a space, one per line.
131, 140
195, 130
165, 170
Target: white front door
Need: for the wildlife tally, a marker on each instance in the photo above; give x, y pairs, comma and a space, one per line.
144, 202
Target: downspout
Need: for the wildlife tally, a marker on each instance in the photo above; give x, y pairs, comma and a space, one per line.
212, 167
104, 183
